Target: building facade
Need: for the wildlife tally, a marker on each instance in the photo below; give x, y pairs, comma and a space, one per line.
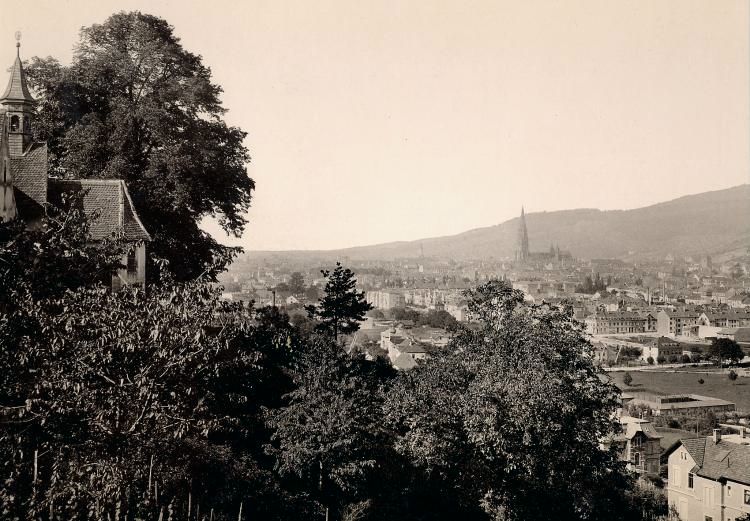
709, 479
26, 189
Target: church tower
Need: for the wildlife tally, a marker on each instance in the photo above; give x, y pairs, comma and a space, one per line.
522, 242
18, 106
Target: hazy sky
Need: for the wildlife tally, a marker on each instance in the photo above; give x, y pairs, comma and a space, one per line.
372, 121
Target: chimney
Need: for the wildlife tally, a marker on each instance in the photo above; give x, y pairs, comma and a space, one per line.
717, 435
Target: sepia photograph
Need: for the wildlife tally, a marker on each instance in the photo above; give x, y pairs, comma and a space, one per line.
375, 260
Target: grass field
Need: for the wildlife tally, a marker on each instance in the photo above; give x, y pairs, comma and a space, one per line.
715, 385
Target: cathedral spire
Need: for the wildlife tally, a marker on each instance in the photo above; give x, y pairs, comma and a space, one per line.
522, 242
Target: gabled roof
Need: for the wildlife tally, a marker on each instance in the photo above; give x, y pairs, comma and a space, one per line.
722, 460
107, 203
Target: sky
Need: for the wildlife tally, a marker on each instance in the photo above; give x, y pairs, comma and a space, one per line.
382, 120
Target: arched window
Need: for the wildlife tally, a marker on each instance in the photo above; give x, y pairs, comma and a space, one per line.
14, 123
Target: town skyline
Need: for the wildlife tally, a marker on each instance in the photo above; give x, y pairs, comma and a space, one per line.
339, 103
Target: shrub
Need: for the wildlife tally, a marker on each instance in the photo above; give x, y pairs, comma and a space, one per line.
650, 360
732, 375
696, 357
627, 379
661, 359
673, 423
685, 359
701, 381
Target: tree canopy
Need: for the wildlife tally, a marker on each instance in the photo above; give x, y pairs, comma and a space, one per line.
722, 349
135, 105
342, 307
508, 419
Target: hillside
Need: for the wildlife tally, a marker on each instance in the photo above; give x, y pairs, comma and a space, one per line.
708, 223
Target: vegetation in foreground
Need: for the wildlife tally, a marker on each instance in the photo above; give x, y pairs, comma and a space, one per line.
169, 403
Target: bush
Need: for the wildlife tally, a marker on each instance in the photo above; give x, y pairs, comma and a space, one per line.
696, 357
685, 359
701, 381
627, 379
674, 359
732, 375
660, 359
650, 360
673, 423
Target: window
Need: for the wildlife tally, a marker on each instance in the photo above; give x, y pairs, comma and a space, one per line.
637, 459
690, 480
747, 497
132, 263
14, 123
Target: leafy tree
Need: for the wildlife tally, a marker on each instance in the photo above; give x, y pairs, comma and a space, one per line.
732, 375
650, 360
297, 283
509, 408
725, 349
627, 379
55, 256
661, 359
135, 105
685, 358
129, 402
342, 307
329, 436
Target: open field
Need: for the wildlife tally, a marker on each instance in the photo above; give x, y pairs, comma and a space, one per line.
716, 385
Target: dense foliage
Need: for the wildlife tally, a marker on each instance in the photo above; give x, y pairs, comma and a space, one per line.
135, 105
342, 307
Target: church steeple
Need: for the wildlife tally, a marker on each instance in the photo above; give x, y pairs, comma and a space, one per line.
18, 106
522, 242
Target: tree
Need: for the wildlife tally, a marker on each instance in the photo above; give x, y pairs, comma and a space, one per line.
133, 401
725, 349
627, 379
732, 375
297, 283
342, 307
329, 436
505, 409
135, 105
650, 360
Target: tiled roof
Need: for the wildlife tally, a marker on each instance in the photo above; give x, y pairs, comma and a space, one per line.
107, 203
30, 179
722, 460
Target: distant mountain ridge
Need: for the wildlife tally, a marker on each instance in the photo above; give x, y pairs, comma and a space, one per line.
708, 223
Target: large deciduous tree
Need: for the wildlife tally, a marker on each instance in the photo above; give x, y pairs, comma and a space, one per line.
722, 349
135, 105
509, 418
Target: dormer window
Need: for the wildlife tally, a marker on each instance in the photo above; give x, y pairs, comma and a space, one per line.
14, 123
